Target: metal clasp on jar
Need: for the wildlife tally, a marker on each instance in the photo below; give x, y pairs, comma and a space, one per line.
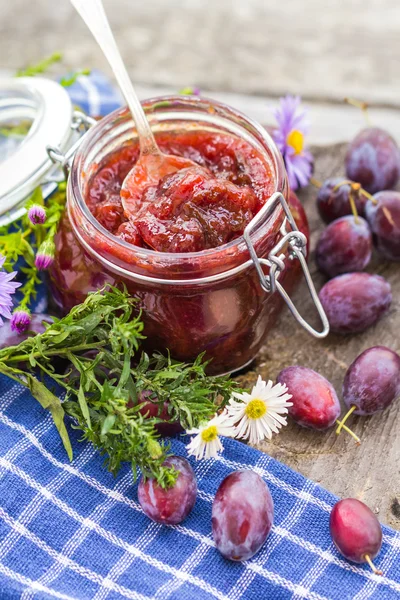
80, 122
295, 244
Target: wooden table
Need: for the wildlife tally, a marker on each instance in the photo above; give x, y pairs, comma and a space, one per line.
371, 471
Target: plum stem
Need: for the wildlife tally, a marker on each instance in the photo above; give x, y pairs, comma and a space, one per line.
369, 196
346, 416
341, 425
357, 190
360, 104
354, 190
373, 567
316, 182
356, 187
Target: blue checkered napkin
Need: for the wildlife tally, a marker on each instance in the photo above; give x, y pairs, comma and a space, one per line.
94, 94
72, 531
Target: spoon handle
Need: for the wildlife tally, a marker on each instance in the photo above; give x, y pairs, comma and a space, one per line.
92, 12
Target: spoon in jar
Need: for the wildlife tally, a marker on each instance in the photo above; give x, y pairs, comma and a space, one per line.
152, 164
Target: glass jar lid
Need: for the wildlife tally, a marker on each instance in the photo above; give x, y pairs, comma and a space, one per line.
42, 111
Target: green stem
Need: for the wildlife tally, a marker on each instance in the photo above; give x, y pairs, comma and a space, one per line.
57, 352
51, 374
28, 290
12, 374
26, 233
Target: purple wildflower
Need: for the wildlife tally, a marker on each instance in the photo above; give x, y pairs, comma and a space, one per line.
20, 320
45, 255
289, 137
7, 288
37, 214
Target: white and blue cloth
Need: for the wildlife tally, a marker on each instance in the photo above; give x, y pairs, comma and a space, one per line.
94, 94
72, 531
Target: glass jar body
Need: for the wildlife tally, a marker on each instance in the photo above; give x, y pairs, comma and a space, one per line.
208, 301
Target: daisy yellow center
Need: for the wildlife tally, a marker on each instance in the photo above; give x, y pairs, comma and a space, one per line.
296, 140
255, 409
210, 434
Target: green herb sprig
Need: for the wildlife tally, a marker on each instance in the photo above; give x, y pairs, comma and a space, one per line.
40, 67
100, 341
44, 65
23, 240
86, 327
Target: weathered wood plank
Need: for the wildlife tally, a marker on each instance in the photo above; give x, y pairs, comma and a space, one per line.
318, 49
369, 472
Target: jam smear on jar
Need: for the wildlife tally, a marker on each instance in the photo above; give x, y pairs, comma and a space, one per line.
194, 209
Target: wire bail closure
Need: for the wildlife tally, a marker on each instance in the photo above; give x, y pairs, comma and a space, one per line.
295, 243
80, 122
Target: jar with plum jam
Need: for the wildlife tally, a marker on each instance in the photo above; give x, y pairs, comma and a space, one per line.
204, 254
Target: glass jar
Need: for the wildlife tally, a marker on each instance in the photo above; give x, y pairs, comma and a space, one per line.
44, 114
211, 301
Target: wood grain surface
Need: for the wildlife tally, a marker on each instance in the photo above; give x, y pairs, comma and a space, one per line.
321, 50
369, 472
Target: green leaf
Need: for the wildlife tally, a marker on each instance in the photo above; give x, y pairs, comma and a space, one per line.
108, 424
36, 197
50, 402
169, 375
83, 405
59, 337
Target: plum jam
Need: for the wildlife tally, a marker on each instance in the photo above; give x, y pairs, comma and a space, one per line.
194, 209
182, 254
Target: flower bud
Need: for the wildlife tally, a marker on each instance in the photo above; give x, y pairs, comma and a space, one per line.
37, 214
20, 320
45, 255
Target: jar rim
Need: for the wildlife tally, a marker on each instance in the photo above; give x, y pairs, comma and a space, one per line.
184, 101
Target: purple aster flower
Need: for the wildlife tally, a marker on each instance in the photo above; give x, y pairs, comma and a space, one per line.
7, 288
293, 125
37, 214
45, 255
20, 320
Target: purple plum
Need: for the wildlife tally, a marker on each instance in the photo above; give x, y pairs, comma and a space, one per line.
355, 301
172, 505
344, 246
242, 515
373, 160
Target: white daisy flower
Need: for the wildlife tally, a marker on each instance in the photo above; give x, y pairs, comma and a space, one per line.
206, 443
259, 414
